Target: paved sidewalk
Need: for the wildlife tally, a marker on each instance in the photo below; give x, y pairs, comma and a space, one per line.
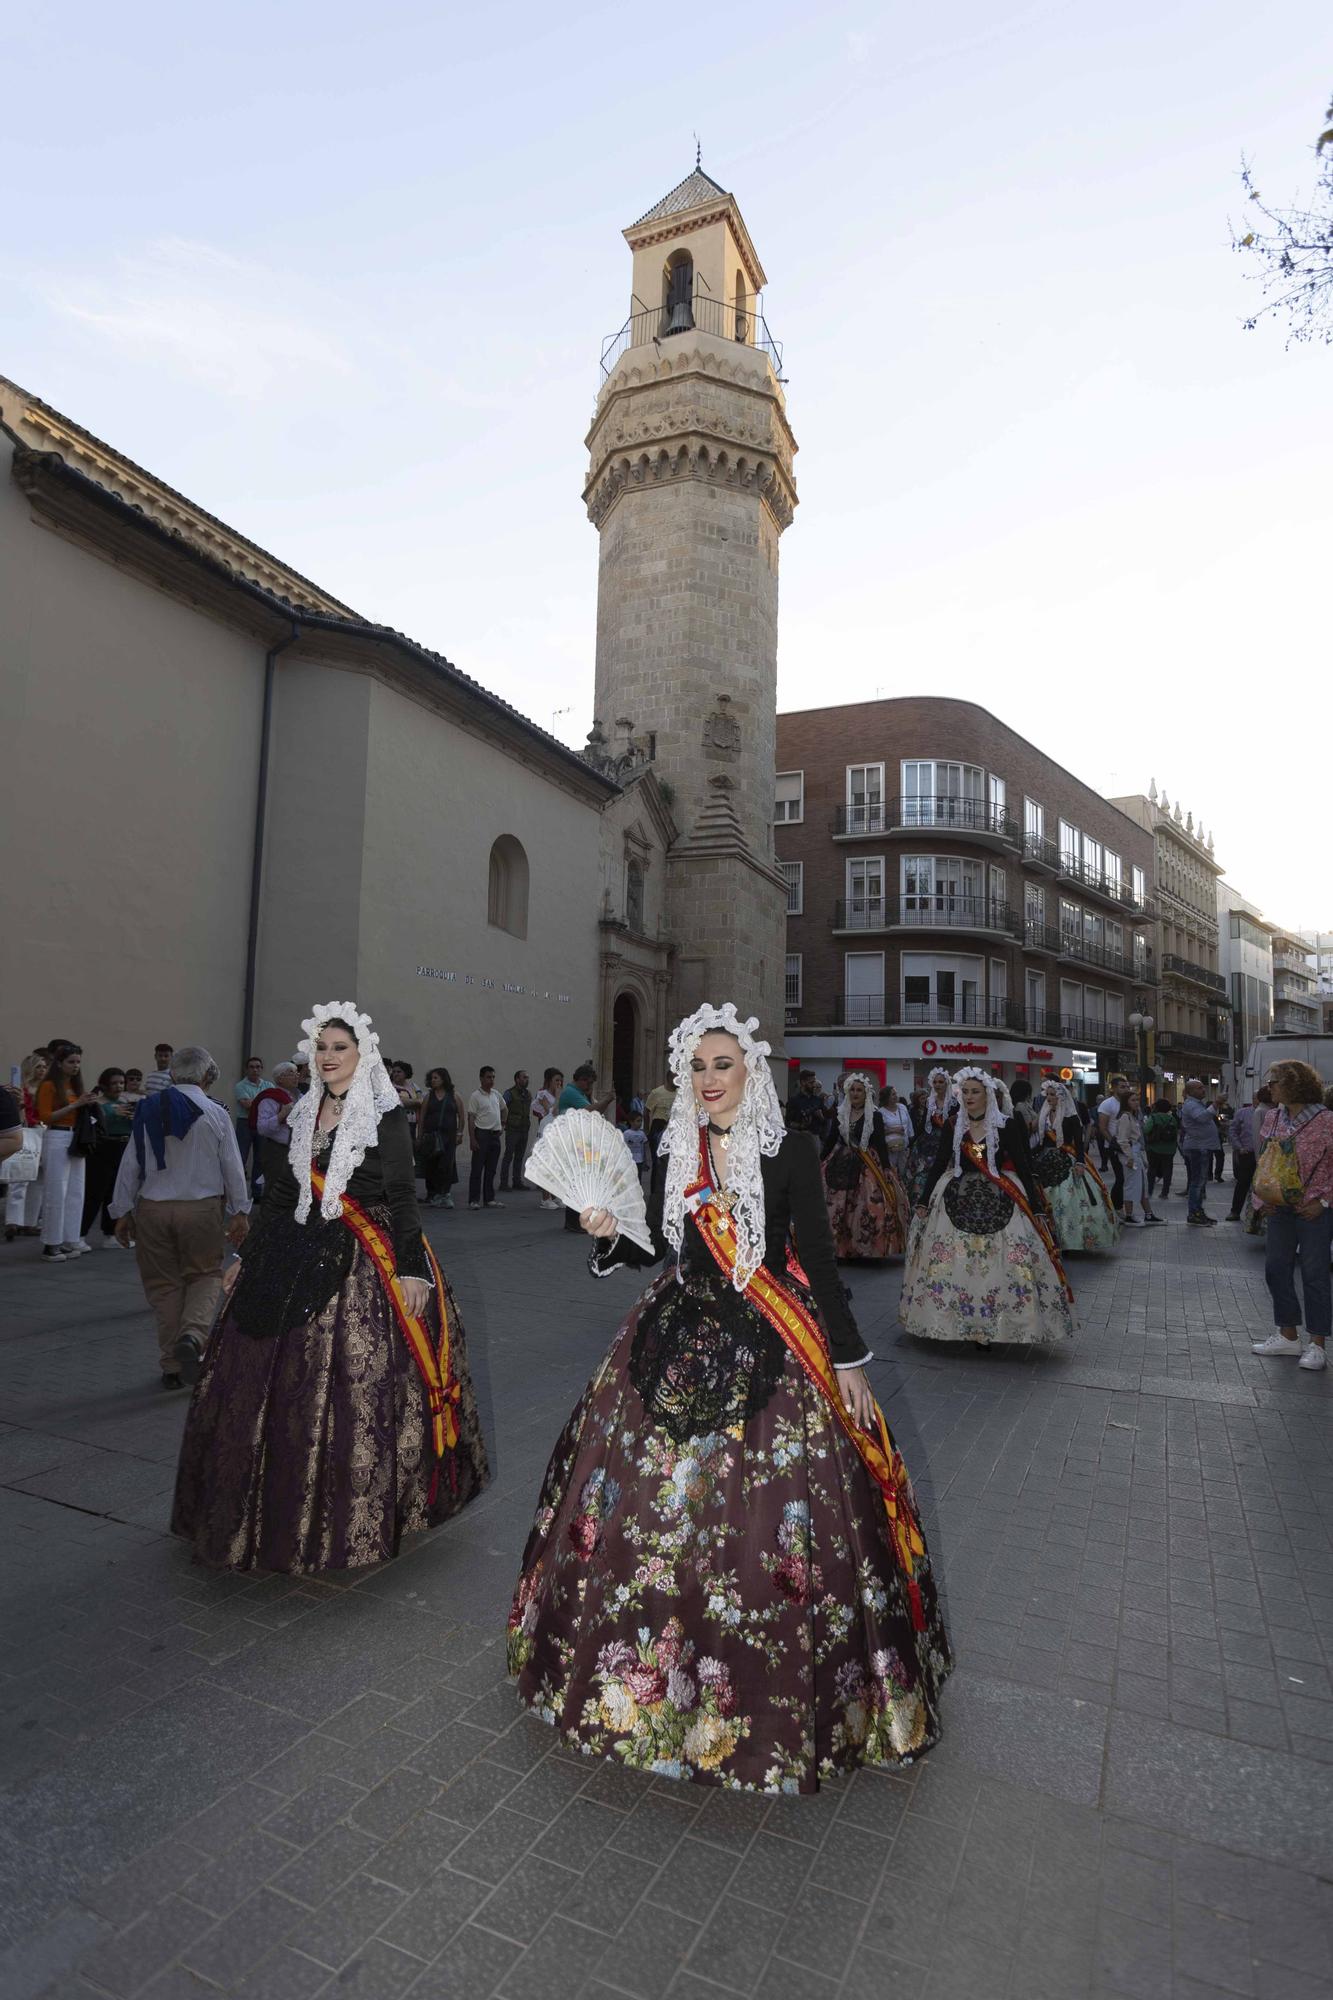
276, 1787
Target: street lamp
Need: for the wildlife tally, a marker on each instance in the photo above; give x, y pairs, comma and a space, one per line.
1142, 1026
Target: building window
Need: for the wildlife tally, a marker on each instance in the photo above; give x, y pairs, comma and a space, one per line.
998, 998
1112, 866
940, 991
995, 800
1034, 907
1071, 919
1138, 888
793, 874
1092, 861
507, 887
941, 887
939, 794
1035, 989
794, 979
865, 892
863, 989
1071, 845
790, 806
997, 888
634, 895
1034, 820
865, 798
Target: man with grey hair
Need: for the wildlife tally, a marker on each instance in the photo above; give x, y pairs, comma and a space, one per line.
270, 1113
181, 1172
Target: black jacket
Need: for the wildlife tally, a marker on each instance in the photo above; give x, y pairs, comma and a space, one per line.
795, 1207
1011, 1150
876, 1143
386, 1178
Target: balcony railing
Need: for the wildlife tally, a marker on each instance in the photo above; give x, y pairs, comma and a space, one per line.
724, 318
1186, 968
889, 1010
1298, 996
1172, 1043
1074, 945
1096, 882
947, 813
941, 912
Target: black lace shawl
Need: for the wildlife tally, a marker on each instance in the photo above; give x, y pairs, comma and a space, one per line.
1011, 1150
876, 1143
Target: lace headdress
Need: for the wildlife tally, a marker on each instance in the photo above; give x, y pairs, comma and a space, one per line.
998, 1107
369, 1095
757, 1132
845, 1108
1051, 1117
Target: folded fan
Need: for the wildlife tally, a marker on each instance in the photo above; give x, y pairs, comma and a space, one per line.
585, 1163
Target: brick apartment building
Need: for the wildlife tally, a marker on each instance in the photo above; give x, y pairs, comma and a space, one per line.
954, 895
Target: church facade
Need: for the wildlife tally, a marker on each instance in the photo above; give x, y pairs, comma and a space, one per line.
238, 795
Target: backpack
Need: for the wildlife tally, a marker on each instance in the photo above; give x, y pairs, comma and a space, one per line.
1159, 1132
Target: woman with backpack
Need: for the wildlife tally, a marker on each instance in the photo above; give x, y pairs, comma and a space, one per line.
1161, 1136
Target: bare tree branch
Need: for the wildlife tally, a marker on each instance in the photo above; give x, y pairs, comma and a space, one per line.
1293, 248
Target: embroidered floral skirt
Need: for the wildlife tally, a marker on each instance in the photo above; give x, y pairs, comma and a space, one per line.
962, 1284
1083, 1217
866, 1225
310, 1449
727, 1608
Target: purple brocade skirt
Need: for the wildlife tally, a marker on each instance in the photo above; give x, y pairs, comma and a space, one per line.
310, 1449
724, 1607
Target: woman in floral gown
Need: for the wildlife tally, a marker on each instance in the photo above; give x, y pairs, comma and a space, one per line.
1081, 1211
726, 1579
867, 1209
982, 1265
921, 1153
334, 1411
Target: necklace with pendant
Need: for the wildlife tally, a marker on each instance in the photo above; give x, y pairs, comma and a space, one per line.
722, 1133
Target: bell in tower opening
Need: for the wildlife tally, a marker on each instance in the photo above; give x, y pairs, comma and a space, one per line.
690, 486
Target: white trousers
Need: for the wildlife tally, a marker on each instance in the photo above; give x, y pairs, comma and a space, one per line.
23, 1204
62, 1213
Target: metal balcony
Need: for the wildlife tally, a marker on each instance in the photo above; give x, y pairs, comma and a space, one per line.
976, 914
1199, 975
895, 819
725, 319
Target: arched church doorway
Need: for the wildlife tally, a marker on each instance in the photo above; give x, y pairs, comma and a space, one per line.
624, 1048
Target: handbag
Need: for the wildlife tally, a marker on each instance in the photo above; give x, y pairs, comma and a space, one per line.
25, 1165
1277, 1178
86, 1132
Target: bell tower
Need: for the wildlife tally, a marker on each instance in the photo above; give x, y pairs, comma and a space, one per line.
690, 487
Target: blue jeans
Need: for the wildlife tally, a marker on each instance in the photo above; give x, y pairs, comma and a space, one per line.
1196, 1178
1290, 1241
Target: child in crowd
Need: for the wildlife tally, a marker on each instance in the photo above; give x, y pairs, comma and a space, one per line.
637, 1141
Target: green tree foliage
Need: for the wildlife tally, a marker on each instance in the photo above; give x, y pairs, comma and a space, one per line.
1294, 251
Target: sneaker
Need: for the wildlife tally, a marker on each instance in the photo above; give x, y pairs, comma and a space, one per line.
549, 1201
79, 1249
1197, 1221
1314, 1356
1130, 1222
51, 1254
1277, 1343
447, 1202
189, 1352
1156, 1222
495, 1204
474, 1204
1232, 1218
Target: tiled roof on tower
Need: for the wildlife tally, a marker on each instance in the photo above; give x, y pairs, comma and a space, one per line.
696, 187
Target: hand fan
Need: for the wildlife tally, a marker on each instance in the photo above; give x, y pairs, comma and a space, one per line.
585, 1163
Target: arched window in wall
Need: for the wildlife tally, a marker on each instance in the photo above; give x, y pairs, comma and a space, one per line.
678, 293
507, 887
634, 895
742, 315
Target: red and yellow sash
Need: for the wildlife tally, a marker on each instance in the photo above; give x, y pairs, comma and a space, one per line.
800, 1331
1041, 1223
433, 1363
894, 1198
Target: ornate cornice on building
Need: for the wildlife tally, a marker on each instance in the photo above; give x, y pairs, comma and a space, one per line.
704, 203
693, 459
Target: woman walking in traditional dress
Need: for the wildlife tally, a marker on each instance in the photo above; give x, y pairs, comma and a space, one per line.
920, 1163
867, 1209
726, 1579
1081, 1211
334, 1411
983, 1265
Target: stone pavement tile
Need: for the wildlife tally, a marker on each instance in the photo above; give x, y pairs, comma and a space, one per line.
397, 1799
655, 1827
556, 1966
122, 1897
819, 1930
693, 1878
476, 1792
874, 1975
784, 1981
127, 1962
378, 1973
424, 1923
32, 1966
530, 1894
771, 1872
852, 1861
303, 1818
492, 1848
1052, 1742
308, 1758
808, 1818
649, 1951
361, 1717
421, 1846
470, 1968
731, 1819
607, 1897
330, 1860
526, 1742
1134, 1957
1137, 1885
548, 1789
336, 1930
227, 1951
905, 1923
177, 1984
577, 1835
734, 1944
281, 1975
1214, 1948
233, 1874
1258, 1801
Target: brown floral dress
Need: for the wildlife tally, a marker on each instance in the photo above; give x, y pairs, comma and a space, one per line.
308, 1443
709, 1590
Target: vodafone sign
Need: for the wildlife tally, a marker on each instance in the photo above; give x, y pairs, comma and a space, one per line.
955, 1048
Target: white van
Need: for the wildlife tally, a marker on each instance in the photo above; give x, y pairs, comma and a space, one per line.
1265, 1050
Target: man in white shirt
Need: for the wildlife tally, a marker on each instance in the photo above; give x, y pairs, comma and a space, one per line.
181, 1170
485, 1123
159, 1077
1108, 1112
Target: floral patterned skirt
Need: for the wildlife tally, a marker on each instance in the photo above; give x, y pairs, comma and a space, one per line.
999, 1286
1083, 1217
310, 1449
866, 1225
727, 1608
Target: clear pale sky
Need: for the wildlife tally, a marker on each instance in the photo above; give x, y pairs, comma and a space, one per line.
342, 276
